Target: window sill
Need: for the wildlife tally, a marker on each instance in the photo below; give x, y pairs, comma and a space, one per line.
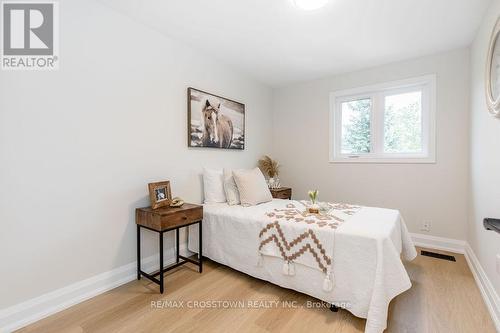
406, 160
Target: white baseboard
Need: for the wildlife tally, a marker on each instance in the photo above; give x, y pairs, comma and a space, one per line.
488, 293
439, 243
32, 310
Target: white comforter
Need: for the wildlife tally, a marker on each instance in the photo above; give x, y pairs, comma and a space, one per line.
366, 264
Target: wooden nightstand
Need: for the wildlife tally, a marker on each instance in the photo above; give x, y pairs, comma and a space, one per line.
162, 220
281, 193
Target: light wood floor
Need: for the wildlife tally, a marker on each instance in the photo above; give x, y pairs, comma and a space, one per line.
444, 298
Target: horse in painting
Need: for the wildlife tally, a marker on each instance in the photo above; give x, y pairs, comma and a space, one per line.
217, 128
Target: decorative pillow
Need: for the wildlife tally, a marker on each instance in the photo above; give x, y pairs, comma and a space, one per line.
230, 188
213, 186
252, 187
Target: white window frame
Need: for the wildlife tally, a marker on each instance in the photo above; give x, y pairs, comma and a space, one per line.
426, 84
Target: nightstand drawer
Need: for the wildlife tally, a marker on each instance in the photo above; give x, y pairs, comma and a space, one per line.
166, 218
180, 218
282, 193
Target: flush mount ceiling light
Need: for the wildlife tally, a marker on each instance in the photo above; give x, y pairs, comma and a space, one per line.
310, 4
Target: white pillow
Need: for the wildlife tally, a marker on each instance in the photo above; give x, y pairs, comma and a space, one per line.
213, 186
252, 187
230, 188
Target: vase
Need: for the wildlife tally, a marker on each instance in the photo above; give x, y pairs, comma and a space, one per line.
313, 208
273, 183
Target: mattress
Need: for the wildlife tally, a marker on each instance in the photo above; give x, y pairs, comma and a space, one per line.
367, 262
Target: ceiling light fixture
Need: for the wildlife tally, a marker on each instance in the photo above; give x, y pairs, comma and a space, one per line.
310, 4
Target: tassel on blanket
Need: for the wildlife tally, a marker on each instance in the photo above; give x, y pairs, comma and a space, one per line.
289, 268
286, 268
328, 282
260, 260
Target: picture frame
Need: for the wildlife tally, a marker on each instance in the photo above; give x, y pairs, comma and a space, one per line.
160, 194
214, 121
492, 76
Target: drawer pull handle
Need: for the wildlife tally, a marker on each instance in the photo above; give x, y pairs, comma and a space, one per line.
184, 218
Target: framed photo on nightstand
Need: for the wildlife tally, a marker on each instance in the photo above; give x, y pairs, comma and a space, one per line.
160, 194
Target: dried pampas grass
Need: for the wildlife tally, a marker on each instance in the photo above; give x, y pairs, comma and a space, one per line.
269, 166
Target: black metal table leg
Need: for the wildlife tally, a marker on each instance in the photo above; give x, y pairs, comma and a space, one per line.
200, 251
180, 260
177, 245
138, 252
161, 262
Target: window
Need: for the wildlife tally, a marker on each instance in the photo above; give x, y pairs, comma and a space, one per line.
387, 123
403, 123
356, 123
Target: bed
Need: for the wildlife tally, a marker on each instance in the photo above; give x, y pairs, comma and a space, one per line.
368, 246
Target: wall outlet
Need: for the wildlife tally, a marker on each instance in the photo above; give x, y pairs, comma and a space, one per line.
426, 226
498, 264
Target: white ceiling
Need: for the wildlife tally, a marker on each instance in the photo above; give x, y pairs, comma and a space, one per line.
278, 44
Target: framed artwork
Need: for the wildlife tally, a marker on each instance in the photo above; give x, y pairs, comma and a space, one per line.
214, 121
493, 72
160, 194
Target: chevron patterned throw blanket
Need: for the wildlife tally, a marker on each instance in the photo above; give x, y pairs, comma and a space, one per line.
299, 237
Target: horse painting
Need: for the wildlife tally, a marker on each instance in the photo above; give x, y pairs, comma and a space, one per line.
215, 121
217, 128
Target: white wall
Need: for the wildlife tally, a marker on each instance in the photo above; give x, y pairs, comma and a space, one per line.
78, 146
435, 192
485, 157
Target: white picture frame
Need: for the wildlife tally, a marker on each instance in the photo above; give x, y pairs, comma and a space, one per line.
493, 72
